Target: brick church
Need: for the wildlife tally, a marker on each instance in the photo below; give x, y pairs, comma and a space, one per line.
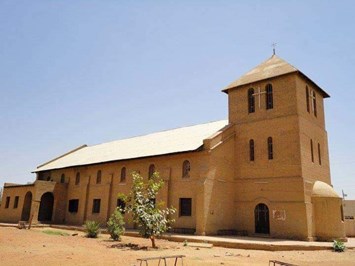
263, 172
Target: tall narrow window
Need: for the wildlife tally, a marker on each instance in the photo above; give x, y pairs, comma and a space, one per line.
123, 175
270, 148
186, 169
62, 178
314, 99
77, 178
96, 206
307, 99
251, 150
319, 155
7, 204
312, 154
151, 170
98, 177
269, 97
16, 202
251, 101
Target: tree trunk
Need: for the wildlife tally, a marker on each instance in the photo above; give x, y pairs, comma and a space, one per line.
152, 238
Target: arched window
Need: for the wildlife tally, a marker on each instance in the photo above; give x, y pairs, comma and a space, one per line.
98, 177
319, 155
251, 101
307, 99
123, 175
186, 169
314, 99
270, 148
312, 154
62, 178
77, 178
251, 150
269, 97
151, 170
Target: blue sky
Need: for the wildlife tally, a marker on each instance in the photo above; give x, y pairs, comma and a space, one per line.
87, 72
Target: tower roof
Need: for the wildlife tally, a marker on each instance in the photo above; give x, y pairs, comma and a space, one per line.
272, 67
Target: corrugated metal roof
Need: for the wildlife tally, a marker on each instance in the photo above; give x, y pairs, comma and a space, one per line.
165, 142
272, 67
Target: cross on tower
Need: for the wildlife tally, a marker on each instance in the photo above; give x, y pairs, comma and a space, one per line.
259, 94
274, 48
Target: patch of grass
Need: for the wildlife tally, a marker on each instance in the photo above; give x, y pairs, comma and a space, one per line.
55, 233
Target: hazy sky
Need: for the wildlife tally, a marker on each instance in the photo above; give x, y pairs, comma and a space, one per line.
87, 72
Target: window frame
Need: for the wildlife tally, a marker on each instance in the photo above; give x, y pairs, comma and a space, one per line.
16, 202
98, 177
76, 205
269, 96
182, 203
270, 148
151, 170
123, 174
7, 202
96, 206
77, 179
251, 100
251, 150
186, 168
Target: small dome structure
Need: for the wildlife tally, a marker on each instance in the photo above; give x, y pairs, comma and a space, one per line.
323, 190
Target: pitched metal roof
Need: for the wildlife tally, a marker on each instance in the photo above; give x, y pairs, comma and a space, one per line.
166, 142
272, 67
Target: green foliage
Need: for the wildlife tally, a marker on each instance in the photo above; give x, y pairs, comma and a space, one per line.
185, 243
338, 246
115, 225
152, 220
55, 233
92, 229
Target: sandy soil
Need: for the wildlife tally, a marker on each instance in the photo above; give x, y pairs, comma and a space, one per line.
34, 247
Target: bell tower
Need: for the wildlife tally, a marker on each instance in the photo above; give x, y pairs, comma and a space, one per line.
281, 148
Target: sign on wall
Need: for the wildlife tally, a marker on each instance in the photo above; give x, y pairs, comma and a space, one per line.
279, 215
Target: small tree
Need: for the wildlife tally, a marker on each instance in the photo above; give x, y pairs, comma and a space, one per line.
152, 220
115, 225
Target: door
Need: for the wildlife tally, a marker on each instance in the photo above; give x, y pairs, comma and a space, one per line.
262, 225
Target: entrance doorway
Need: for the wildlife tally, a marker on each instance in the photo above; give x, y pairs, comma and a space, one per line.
46, 207
262, 224
26, 209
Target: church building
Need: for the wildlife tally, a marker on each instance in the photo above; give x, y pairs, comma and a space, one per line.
263, 172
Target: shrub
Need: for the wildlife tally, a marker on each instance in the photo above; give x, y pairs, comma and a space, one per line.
115, 225
338, 246
92, 229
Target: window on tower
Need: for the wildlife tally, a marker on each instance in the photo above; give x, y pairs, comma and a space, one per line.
314, 99
251, 150
312, 155
251, 100
307, 99
269, 97
270, 148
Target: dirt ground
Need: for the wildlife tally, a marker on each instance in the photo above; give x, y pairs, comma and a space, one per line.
34, 247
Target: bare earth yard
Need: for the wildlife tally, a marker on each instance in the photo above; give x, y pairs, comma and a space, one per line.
34, 247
